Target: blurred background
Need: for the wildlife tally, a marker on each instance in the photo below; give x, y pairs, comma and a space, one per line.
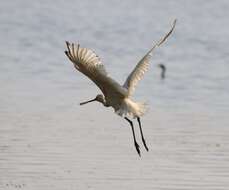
47, 141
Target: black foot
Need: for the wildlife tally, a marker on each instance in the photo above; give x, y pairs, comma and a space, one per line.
137, 148
143, 140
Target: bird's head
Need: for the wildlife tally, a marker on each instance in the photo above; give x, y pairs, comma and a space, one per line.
162, 66
100, 98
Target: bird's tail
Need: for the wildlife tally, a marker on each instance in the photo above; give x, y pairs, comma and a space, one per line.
132, 109
142, 108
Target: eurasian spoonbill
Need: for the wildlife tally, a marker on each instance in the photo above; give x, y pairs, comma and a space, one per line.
114, 94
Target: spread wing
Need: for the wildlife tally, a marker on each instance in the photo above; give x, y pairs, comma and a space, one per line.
143, 65
88, 63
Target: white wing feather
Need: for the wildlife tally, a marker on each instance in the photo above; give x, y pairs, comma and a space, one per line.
88, 63
143, 65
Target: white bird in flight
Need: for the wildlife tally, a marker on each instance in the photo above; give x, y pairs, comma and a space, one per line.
114, 94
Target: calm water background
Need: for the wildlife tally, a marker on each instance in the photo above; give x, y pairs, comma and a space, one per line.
47, 141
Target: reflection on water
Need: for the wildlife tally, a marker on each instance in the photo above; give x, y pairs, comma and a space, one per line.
48, 142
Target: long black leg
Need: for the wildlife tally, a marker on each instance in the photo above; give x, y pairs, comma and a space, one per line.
143, 140
135, 142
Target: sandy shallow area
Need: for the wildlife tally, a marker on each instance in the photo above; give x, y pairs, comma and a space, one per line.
91, 148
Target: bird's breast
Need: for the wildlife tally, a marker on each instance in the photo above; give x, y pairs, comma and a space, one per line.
114, 102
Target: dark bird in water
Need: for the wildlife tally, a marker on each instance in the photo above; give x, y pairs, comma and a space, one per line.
163, 70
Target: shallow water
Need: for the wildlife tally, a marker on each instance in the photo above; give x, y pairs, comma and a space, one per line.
47, 141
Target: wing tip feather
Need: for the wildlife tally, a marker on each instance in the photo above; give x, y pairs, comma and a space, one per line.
84, 57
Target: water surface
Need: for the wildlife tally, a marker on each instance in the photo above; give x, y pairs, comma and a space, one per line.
47, 141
